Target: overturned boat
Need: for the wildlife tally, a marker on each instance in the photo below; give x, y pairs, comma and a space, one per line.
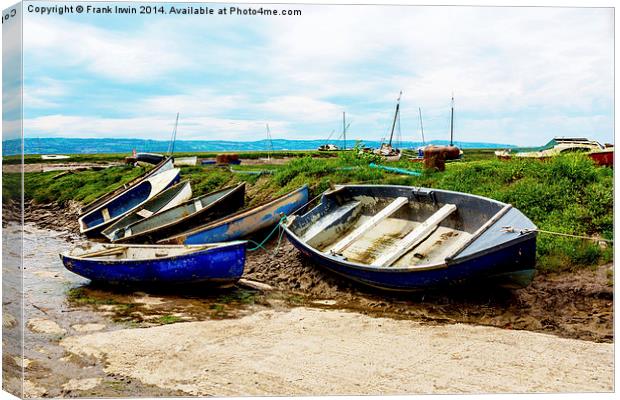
218, 264
165, 200
187, 215
107, 213
406, 238
245, 222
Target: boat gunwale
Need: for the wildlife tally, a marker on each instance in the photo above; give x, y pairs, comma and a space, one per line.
235, 216
116, 219
414, 268
87, 208
199, 249
179, 186
231, 188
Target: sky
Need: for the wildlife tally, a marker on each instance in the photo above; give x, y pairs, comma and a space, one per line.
518, 75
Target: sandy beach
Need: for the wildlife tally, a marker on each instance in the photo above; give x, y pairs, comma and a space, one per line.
307, 351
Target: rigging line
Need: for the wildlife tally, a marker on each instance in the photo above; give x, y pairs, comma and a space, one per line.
174, 137
525, 231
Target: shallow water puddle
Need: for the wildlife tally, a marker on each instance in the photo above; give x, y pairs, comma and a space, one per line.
60, 304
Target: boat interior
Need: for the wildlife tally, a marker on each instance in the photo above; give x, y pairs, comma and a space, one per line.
395, 227
117, 206
149, 208
177, 213
136, 252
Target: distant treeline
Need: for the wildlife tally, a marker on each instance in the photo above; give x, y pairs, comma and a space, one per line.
119, 145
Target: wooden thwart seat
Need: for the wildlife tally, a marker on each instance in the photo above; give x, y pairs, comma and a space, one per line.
415, 237
144, 213
368, 225
106, 214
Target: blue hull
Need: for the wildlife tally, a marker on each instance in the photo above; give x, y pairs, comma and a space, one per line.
220, 266
517, 258
489, 252
246, 222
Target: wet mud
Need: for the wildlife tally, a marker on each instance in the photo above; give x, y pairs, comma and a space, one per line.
575, 305
59, 304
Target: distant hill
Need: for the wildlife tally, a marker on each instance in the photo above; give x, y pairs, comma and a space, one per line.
94, 146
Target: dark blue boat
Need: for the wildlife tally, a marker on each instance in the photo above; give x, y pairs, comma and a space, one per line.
218, 264
245, 222
405, 238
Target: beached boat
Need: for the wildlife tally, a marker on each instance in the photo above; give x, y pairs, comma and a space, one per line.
245, 222
107, 213
54, 157
386, 150
405, 238
163, 166
151, 158
187, 161
603, 157
183, 217
601, 154
165, 200
218, 264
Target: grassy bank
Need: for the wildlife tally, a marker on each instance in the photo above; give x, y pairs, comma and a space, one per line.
568, 194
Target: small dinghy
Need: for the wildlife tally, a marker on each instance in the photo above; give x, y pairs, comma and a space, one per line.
151, 158
218, 264
405, 238
245, 222
188, 215
163, 166
106, 214
165, 200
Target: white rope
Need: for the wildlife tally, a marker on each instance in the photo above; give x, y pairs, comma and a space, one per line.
525, 231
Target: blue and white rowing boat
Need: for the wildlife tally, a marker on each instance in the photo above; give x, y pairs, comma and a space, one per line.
169, 198
110, 211
245, 222
218, 264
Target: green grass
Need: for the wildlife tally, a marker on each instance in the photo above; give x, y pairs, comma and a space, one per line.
567, 194
168, 319
83, 186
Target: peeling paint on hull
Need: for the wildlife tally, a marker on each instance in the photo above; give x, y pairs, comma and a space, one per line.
245, 222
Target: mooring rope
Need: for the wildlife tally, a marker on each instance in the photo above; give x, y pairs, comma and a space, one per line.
261, 245
525, 231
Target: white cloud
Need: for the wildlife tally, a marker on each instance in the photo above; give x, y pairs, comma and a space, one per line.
158, 128
127, 56
517, 72
45, 93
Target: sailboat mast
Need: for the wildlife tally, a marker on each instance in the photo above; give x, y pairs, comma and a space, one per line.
422, 126
174, 137
270, 142
344, 130
395, 117
452, 122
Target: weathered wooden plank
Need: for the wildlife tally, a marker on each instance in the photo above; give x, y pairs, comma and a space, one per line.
144, 213
463, 245
368, 225
105, 252
415, 237
106, 214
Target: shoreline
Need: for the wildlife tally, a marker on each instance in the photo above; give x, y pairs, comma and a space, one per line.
320, 320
